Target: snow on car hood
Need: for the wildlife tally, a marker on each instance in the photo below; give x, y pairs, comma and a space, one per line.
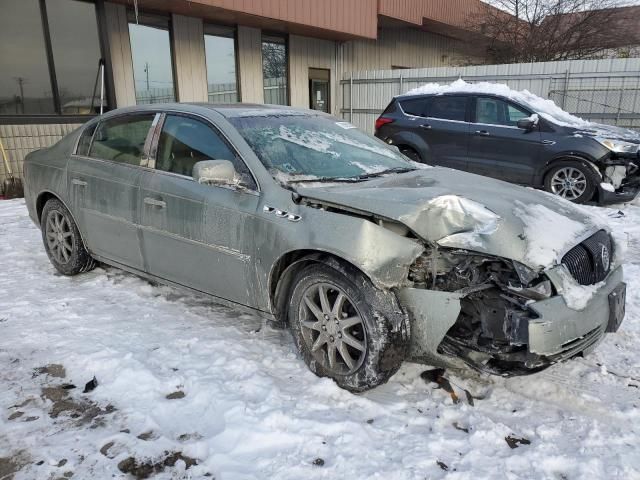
610, 131
462, 210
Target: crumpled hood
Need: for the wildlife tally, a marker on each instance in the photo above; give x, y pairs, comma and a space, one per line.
463, 210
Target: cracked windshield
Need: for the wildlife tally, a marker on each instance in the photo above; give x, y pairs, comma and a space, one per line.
313, 148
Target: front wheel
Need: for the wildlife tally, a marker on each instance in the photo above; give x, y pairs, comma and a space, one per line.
572, 180
339, 330
62, 240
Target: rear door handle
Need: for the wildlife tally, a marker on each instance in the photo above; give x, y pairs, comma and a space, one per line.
484, 133
426, 126
77, 181
154, 202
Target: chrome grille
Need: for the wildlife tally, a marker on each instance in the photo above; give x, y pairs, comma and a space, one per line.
590, 261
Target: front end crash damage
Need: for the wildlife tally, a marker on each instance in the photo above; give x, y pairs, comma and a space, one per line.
487, 286
620, 179
496, 315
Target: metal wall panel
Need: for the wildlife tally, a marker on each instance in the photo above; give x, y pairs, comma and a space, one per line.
120, 48
250, 64
189, 58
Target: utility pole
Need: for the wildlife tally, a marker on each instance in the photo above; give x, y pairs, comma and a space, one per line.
146, 70
21, 81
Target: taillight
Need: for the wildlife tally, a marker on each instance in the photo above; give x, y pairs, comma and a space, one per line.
383, 121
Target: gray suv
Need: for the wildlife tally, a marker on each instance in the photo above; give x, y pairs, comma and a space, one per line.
512, 140
299, 217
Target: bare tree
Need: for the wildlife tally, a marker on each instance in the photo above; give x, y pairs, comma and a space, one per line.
548, 30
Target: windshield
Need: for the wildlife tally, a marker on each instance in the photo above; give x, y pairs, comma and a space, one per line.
308, 147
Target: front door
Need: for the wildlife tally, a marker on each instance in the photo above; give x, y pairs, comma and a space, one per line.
497, 147
104, 183
319, 89
194, 234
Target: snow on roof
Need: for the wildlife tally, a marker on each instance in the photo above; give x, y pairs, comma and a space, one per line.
545, 108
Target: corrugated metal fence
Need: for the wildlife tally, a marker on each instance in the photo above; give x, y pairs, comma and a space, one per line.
606, 91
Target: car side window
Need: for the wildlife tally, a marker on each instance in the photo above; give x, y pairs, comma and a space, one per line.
447, 107
494, 111
184, 141
122, 139
85, 140
414, 106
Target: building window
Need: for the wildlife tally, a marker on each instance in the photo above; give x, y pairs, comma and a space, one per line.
274, 70
50, 70
220, 56
151, 57
76, 54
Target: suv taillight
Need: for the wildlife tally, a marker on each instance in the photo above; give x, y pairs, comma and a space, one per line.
383, 121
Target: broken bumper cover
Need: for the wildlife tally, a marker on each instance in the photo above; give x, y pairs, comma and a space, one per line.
561, 332
625, 194
558, 332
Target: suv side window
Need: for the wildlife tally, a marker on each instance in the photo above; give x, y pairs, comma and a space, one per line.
448, 107
122, 139
184, 141
414, 106
494, 111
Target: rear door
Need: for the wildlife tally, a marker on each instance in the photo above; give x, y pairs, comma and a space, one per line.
194, 234
104, 183
497, 147
442, 122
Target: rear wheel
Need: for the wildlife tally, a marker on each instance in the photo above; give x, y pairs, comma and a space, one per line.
411, 154
339, 331
62, 240
572, 180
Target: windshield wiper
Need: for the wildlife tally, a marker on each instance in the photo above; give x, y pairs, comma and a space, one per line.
357, 178
325, 179
384, 172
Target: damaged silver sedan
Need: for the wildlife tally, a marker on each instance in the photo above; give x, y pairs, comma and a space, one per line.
370, 259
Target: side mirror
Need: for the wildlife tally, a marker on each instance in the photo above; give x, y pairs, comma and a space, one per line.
528, 123
215, 172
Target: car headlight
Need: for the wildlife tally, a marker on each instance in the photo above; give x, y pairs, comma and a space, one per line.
618, 146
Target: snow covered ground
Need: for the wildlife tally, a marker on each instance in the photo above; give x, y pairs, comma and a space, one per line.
182, 380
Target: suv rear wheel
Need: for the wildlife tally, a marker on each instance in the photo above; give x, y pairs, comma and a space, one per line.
411, 154
573, 180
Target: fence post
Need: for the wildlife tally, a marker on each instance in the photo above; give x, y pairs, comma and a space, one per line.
401, 85
351, 97
620, 101
566, 88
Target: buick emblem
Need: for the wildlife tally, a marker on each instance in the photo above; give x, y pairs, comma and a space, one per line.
604, 255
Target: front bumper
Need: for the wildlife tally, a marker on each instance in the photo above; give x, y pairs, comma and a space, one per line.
558, 332
625, 194
562, 331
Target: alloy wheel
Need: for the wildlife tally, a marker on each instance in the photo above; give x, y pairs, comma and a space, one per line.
59, 237
332, 328
569, 183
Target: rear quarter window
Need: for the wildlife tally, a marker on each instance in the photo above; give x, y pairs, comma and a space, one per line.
414, 106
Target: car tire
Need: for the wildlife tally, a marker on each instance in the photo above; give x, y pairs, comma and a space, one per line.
411, 154
582, 174
354, 324
62, 240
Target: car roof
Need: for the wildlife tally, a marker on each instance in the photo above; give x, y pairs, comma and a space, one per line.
229, 110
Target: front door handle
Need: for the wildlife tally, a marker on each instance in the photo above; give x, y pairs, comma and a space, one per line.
484, 133
154, 202
426, 126
78, 182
